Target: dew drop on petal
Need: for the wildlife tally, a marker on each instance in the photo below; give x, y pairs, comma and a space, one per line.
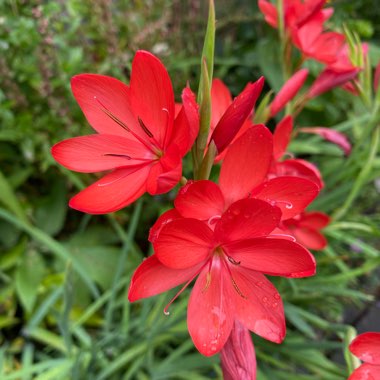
277, 296
265, 299
274, 304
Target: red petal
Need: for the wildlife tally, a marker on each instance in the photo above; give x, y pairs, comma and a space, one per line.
311, 9
247, 218
300, 168
96, 94
210, 313
310, 238
236, 114
238, 358
276, 257
152, 95
246, 163
113, 192
315, 219
282, 136
367, 347
327, 46
166, 172
220, 101
165, 218
288, 91
332, 135
329, 79
183, 243
200, 200
93, 153
269, 11
186, 124
152, 278
258, 304
366, 372
291, 194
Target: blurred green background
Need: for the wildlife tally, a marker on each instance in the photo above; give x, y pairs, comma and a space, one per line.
64, 275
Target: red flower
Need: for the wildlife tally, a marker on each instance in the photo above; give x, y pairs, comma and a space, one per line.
317, 44
367, 348
243, 174
306, 227
329, 79
229, 257
228, 116
296, 12
221, 100
238, 358
138, 137
290, 167
288, 91
331, 135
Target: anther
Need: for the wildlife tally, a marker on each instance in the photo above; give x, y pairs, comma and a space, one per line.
144, 127
208, 282
237, 289
118, 155
232, 261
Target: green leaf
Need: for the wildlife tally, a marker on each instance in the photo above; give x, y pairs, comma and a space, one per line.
9, 200
11, 257
51, 213
29, 274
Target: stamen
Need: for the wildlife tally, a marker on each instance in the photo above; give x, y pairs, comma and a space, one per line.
288, 155
232, 261
288, 205
284, 236
167, 125
144, 127
213, 220
118, 155
166, 312
208, 282
123, 125
237, 289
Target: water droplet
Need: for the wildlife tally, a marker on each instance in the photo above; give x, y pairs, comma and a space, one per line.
247, 215
265, 299
259, 284
274, 304
236, 211
277, 296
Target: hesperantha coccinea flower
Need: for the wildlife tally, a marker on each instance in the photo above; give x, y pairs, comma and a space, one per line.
138, 136
230, 258
367, 348
222, 234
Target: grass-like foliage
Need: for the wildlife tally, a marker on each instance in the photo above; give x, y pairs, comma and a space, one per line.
65, 275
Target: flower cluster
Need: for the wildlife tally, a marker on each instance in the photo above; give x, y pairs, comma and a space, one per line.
304, 25
227, 235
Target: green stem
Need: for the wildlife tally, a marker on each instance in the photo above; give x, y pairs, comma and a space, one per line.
362, 177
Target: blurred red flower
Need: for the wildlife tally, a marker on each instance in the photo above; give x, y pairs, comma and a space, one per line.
367, 348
